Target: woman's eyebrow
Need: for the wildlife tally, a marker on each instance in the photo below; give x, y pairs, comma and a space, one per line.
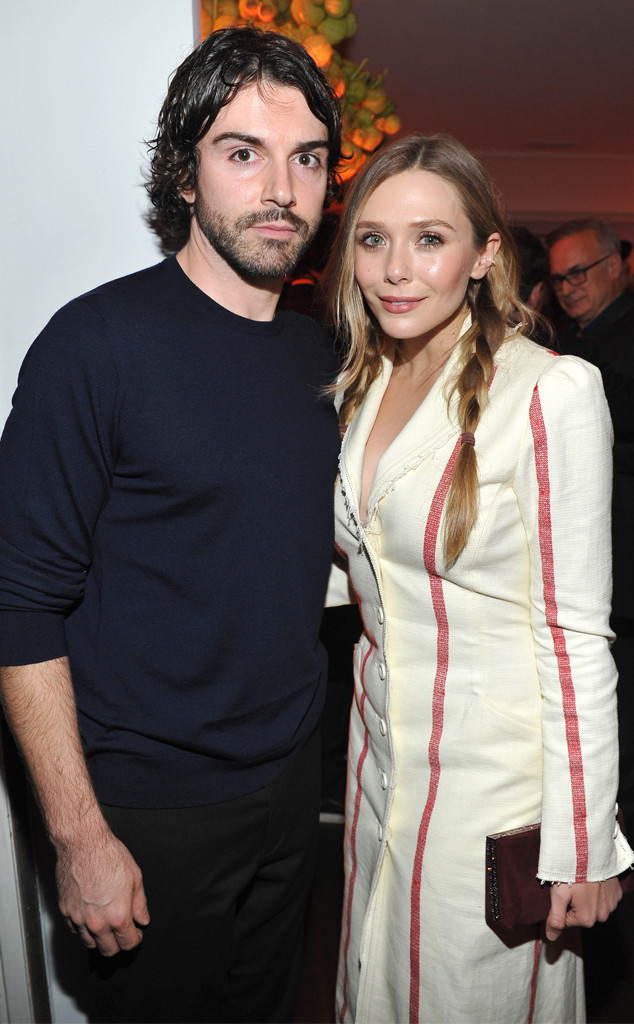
426, 223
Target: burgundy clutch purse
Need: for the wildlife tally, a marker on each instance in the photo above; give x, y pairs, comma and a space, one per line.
514, 895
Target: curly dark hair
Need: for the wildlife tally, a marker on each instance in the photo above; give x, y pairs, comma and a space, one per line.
205, 82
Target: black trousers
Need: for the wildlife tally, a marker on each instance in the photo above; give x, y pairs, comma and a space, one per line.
227, 886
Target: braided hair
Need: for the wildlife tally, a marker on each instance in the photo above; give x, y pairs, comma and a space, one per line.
492, 300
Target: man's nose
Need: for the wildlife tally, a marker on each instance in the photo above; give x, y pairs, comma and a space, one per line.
278, 187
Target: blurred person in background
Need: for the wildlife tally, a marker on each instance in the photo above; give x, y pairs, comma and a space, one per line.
587, 276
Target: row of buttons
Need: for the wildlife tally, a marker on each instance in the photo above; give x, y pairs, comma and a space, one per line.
382, 723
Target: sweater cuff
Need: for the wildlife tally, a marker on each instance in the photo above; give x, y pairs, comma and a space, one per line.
28, 638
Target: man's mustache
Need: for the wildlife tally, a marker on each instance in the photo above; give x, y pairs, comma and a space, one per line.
249, 220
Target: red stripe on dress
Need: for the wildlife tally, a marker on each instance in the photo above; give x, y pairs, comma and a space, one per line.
540, 442
438, 701
536, 955
352, 840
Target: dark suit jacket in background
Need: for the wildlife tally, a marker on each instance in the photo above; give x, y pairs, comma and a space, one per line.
608, 342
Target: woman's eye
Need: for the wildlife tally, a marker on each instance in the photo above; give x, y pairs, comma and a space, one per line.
430, 239
371, 240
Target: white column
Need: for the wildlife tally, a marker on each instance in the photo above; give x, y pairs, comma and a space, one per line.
15, 995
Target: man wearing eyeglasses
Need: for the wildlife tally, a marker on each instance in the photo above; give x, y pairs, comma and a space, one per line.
587, 276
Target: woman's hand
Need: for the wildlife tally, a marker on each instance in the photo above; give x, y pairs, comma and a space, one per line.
582, 903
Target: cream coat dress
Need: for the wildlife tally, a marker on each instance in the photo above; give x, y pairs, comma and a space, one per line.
484, 694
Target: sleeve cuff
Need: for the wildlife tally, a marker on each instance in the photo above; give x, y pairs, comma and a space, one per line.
28, 638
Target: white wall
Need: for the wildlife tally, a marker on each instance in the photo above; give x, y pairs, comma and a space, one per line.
82, 84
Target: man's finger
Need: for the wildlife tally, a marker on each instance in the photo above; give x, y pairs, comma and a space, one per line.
86, 938
128, 938
140, 911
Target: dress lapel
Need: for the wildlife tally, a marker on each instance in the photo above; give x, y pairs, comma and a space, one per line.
431, 426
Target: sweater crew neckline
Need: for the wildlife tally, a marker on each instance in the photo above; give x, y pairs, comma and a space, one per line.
262, 328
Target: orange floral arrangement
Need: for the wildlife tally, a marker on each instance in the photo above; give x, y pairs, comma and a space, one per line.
320, 25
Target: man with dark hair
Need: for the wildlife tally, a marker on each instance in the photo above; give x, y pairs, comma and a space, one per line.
533, 264
533, 288
167, 475
586, 274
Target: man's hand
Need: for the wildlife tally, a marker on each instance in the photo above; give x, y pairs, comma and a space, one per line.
101, 894
99, 885
582, 903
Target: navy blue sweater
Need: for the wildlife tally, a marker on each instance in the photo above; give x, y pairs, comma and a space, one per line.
166, 519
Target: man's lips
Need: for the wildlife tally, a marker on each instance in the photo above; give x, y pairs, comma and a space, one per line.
275, 230
275, 224
399, 303
573, 300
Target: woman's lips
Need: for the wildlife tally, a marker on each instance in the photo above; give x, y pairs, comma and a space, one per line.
398, 303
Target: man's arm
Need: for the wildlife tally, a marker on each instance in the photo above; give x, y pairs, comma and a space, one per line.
99, 884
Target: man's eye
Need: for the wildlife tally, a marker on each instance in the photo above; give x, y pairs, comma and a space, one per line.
309, 160
243, 156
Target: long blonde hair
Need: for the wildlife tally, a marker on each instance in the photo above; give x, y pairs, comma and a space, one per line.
493, 303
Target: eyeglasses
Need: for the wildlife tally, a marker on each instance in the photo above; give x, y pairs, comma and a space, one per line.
576, 276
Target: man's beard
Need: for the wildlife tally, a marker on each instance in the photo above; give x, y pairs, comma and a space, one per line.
255, 256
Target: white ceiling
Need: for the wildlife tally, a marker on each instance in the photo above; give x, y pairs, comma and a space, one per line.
549, 83
504, 74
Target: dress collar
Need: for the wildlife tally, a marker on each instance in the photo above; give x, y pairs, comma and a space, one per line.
433, 423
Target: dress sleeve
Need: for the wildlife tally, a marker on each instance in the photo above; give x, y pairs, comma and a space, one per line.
564, 484
56, 463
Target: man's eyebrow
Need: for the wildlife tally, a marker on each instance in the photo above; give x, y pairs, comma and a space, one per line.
315, 144
254, 140
568, 270
251, 140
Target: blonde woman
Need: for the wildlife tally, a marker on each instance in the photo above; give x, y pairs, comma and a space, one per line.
473, 509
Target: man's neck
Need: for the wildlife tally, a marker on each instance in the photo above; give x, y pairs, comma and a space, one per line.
255, 300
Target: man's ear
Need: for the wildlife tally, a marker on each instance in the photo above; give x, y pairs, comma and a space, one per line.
486, 257
188, 194
537, 296
614, 265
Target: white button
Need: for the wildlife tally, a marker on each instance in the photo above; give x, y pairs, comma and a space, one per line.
382, 672
383, 778
380, 832
380, 616
382, 727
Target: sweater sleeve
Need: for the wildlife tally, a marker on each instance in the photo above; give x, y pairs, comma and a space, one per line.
564, 490
56, 463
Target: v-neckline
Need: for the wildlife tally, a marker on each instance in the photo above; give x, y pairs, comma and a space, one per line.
370, 466
435, 421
